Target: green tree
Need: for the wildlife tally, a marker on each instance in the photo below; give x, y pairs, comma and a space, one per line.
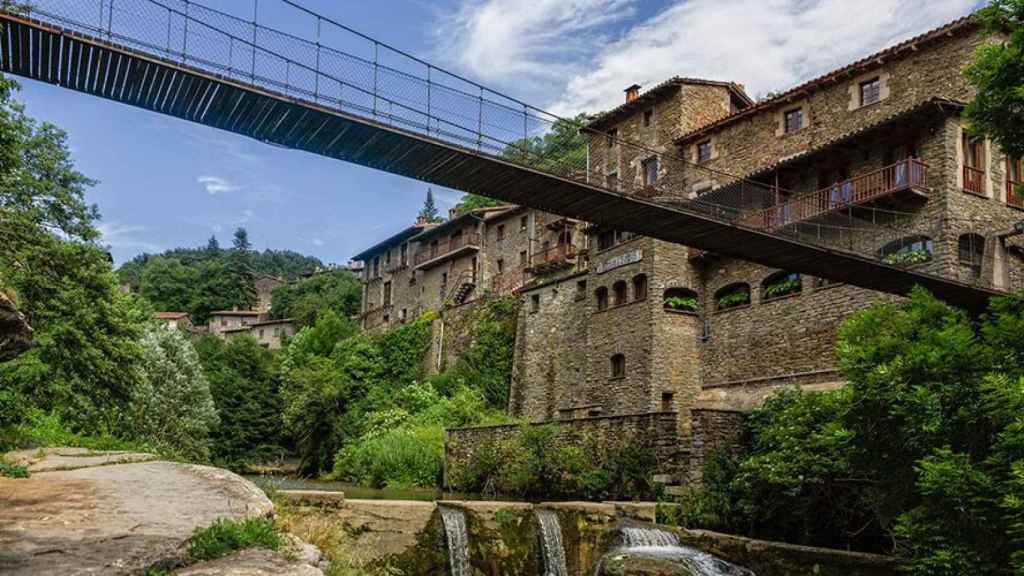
169, 285
338, 291
241, 275
429, 211
561, 150
997, 74
244, 385
212, 245
87, 360
172, 408
470, 202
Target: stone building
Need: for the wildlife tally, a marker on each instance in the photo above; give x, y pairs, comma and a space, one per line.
222, 321
174, 320
265, 284
873, 156
270, 334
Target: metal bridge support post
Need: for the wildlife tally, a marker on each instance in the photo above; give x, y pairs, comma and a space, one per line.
316, 89
255, 24
480, 123
184, 35
429, 86
110, 21
376, 65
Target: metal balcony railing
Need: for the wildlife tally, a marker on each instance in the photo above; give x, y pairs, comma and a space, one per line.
974, 180
442, 249
903, 175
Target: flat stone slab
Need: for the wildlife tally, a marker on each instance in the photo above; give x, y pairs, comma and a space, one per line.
252, 563
115, 518
321, 498
53, 459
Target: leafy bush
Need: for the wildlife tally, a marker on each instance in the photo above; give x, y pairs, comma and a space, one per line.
907, 257
12, 470
226, 536
487, 364
684, 304
543, 461
734, 298
172, 407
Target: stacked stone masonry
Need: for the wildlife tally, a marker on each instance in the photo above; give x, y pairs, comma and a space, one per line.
632, 325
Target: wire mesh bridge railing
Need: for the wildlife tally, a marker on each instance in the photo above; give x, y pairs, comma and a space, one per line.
335, 66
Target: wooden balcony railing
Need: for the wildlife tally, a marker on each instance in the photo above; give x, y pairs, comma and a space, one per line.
1012, 196
974, 180
509, 282
557, 254
441, 249
903, 175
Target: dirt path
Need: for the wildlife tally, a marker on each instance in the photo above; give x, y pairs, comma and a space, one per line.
112, 518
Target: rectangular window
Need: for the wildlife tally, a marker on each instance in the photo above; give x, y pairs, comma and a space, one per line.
500, 234
376, 266
387, 257
612, 181
404, 314
404, 254
535, 303
648, 117
613, 137
870, 91
650, 170
523, 224
974, 164
387, 293
668, 402
522, 259
618, 366
444, 278
501, 265
704, 151
581, 289
794, 120
606, 240
1015, 182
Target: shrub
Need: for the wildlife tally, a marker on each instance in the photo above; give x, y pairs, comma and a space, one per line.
226, 536
172, 407
13, 470
544, 461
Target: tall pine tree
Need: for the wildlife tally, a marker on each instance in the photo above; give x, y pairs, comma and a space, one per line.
429, 211
240, 271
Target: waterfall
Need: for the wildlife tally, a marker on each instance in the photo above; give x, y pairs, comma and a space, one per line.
458, 539
657, 543
551, 538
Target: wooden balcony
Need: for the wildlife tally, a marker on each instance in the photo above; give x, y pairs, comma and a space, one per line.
1012, 197
555, 257
906, 175
974, 180
437, 253
509, 282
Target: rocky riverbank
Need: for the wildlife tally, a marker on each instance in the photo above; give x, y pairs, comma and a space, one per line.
83, 512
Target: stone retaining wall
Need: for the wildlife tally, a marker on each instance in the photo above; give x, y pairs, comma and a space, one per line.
716, 431
657, 427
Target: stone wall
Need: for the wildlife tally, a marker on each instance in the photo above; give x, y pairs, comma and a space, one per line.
659, 427
549, 374
722, 431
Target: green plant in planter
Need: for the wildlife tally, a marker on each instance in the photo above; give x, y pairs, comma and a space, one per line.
779, 289
681, 303
908, 257
737, 297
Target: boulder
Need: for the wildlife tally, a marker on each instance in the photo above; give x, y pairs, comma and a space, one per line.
15, 333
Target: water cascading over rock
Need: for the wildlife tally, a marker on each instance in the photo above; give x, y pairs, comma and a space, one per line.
551, 540
663, 553
458, 539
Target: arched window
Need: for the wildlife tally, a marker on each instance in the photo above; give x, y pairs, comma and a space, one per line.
618, 366
621, 293
732, 296
680, 300
640, 287
971, 250
781, 284
907, 250
601, 294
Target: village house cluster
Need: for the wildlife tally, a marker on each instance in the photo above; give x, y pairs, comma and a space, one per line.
619, 332
228, 324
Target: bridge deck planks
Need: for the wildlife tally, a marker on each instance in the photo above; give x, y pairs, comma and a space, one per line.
50, 54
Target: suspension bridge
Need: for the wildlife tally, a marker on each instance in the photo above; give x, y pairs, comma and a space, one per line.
344, 95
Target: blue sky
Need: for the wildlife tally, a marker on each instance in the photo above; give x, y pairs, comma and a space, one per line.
165, 183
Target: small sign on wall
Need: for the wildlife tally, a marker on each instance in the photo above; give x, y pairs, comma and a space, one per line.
631, 257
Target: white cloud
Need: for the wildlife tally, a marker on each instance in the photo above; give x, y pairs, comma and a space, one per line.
217, 185
126, 236
318, 242
768, 45
529, 42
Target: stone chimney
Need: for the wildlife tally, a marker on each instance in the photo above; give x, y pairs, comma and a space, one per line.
632, 93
